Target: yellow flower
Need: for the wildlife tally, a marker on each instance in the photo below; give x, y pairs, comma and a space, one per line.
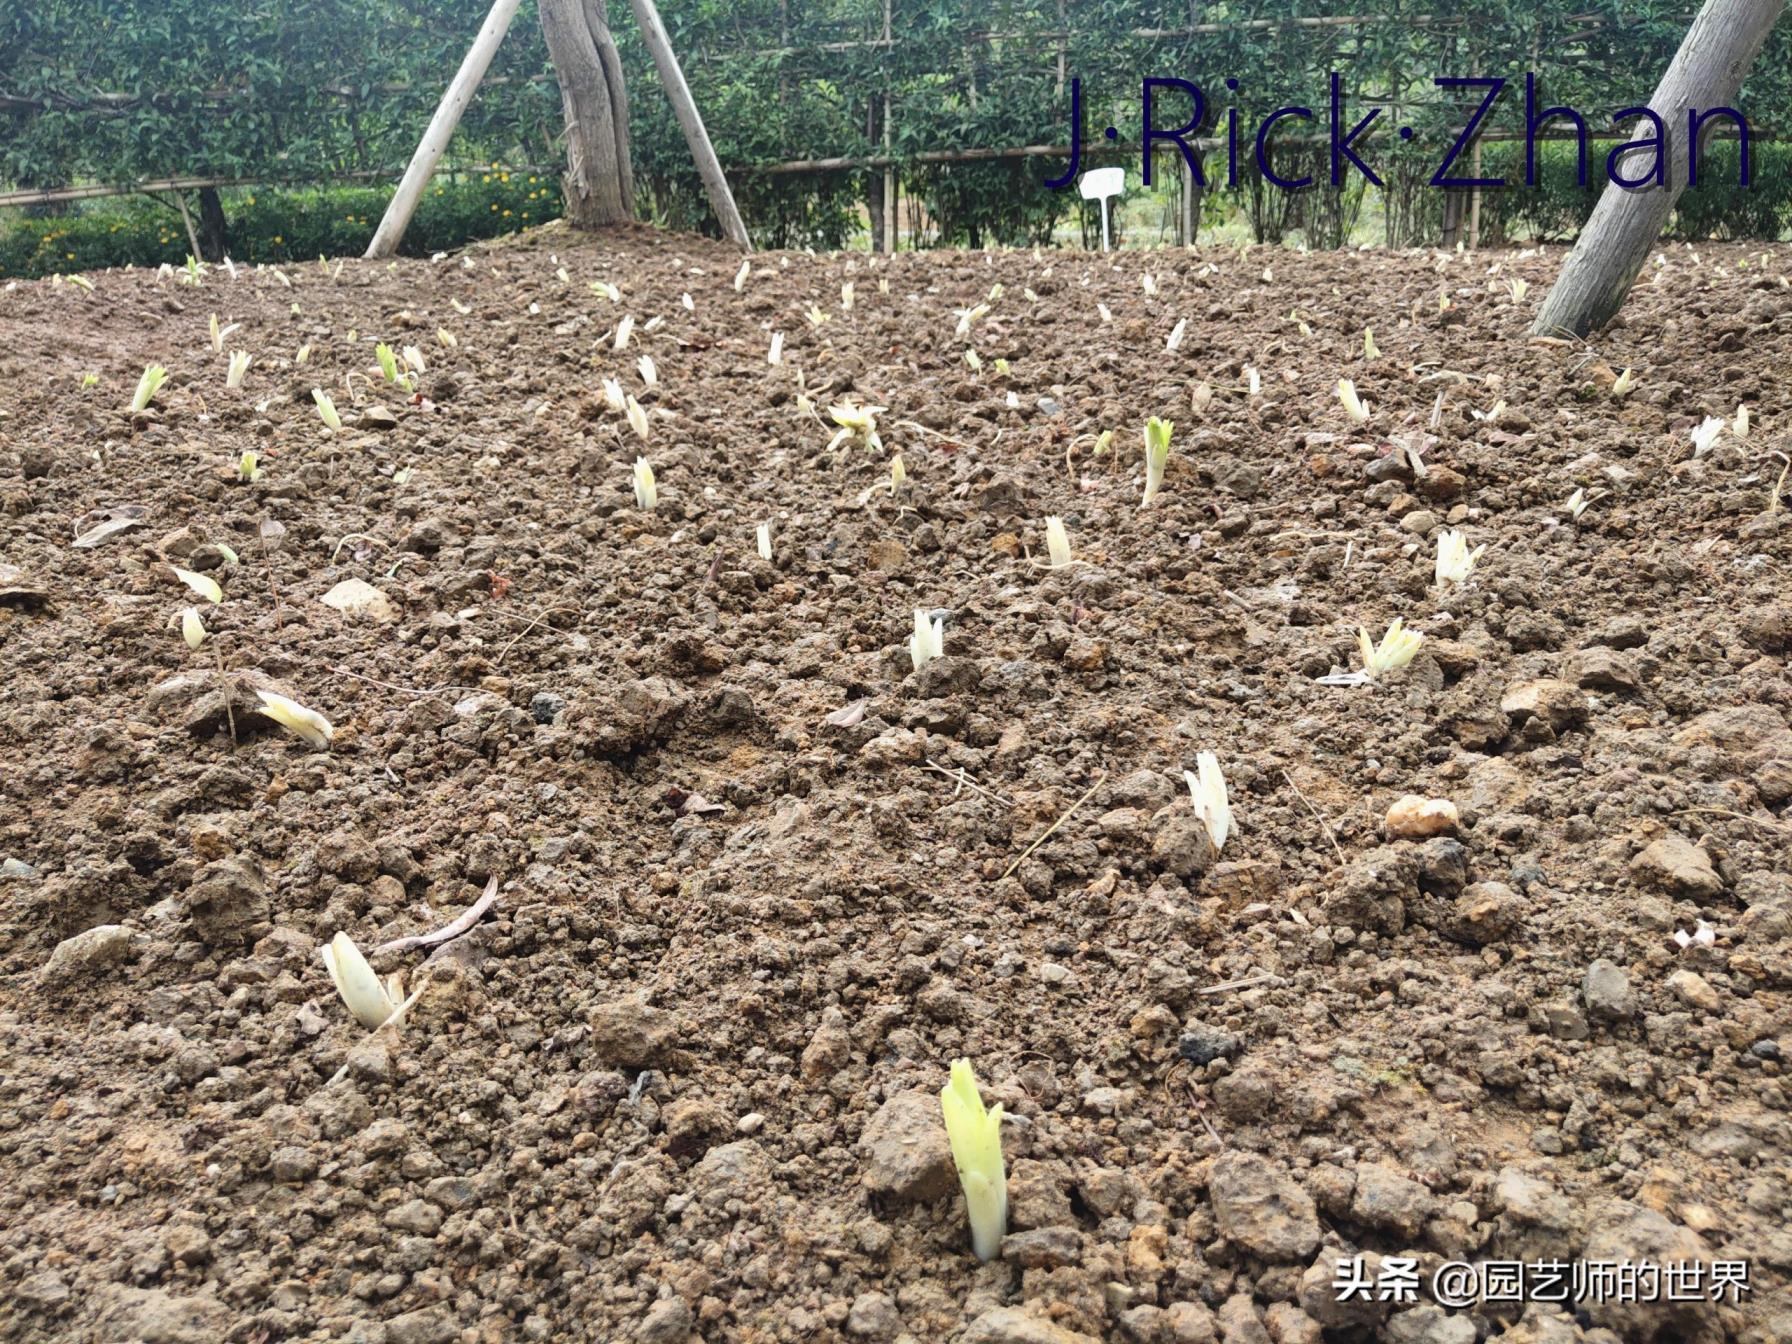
504, 177
507, 214
279, 238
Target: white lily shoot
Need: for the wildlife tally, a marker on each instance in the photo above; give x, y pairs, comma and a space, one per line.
248, 466
239, 365
1455, 562
967, 316
1212, 806
624, 329
203, 584
301, 721
1157, 455
637, 417
775, 355
1395, 650
898, 474
613, 396
1705, 435
765, 541
1624, 384
1057, 542
326, 409
1353, 404
647, 493
192, 629
1174, 341
372, 1000
740, 276
1370, 350
929, 640
1739, 426
649, 371
147, 387
1519, 289
976, 1138
856, 422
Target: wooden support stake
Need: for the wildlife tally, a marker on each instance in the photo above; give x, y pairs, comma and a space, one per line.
684, 107
441, 129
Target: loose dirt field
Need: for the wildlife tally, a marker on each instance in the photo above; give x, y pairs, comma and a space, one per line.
753, 888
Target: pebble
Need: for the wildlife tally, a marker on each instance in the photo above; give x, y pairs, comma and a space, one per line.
1258, 1206
1693, 990
1201, 1044
1415, 817
88, 953
907, 1154
1607, 993
1675, 865
546, 706
16, 868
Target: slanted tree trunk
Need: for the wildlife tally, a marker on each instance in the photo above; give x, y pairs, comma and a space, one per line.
600, 183
1707, 72
214, 236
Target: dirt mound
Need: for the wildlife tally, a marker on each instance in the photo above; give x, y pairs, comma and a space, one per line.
758, 879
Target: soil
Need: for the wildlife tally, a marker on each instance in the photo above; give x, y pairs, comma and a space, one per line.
758, 882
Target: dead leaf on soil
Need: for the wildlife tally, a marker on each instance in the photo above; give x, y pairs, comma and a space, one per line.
93, 528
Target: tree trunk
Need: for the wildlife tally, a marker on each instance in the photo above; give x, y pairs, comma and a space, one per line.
1706, 73
600, 183
214, 236
1454, 216
1188, 222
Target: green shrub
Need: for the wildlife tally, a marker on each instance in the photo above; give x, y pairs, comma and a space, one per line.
277, 224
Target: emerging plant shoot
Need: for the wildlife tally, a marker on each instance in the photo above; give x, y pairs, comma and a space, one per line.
976, 1138
929, 640
1212, 806
1157, 456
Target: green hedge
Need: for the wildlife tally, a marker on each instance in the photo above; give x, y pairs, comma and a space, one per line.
277, 224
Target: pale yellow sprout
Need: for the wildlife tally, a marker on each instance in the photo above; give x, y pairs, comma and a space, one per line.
239, 366
764, 540
1519, 289
1148, 283
297, 719
1739, 426
220, 334
883, 285
995, 291
1057, 542
846, 297
637, 418
624, 329
326, 409
1625, 382
1002, 367
1353, 404
1395, 650
192, 629
740, 276
613, 396
462, 308
1455, 562
388, 361
203, 584
1157, 456
1212, 805
248, 466
147, 387
413, 358
975, 1135
898, 474
1101, 311
303, 355
975, 360
1174, 342
609, 291
1370, 349
647, 494
967, 316
928, 641
649, 371
815, 315
1253, 382
775, 355
370, 999
1102, 440
858, 422
447, 338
